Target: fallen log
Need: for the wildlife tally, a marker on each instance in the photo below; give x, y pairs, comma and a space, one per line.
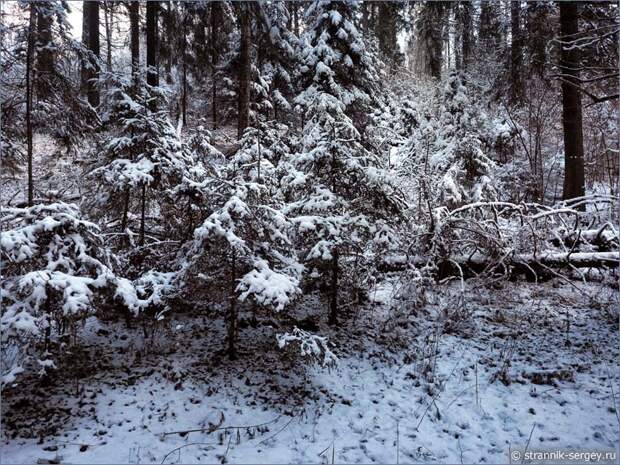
603, 239
534, 267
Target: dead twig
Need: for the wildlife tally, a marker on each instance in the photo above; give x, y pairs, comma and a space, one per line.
218, 427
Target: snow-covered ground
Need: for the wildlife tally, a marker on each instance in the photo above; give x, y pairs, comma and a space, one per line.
526, 366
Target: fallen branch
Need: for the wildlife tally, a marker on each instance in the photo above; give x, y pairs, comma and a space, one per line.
186, 445
218, 427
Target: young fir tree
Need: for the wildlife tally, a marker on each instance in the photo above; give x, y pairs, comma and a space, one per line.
243, 246
191, 200
335, 59
276, 45
145, 158
56, 271
340, 188
447, 156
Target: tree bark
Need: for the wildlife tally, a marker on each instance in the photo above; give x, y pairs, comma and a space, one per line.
295, 18
435, 38
516, 51
91, 33
126, 199
333, 304
467, 33
386, 29
430, 31
143, 215
29, 53
538, 35
184, 74
365, 17
214, 63
45, 56
574, 183
134, 26
484, 26
169, 34
232, 311
108, 16
152, 73
244, 71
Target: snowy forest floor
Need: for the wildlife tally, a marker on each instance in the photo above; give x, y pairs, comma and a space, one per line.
454, 382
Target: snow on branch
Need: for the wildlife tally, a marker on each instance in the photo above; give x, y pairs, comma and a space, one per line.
311, 346
268, 287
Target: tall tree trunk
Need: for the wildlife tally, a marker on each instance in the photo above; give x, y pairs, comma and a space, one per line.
214, 63
516, 51
538, 35
574, 184
29, 54
152, 73
91, 22
333, 303
484, 24
214, 104
134, 30
169, 40
386, 29
295, 7
365, 17
143, 215
45, 56
466, 38
83, 71
184, 84
232, 311
108, 9
244, 72
126, 199
430, 32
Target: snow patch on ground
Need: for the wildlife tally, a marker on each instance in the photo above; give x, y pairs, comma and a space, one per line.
426, 393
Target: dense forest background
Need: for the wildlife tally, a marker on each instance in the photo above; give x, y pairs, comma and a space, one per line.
272, 164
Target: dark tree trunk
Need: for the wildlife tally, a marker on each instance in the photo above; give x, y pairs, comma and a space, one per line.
333, 303
484, 25
91, 33
232, 311
169, 40
433, 33
491, 31
126, 199
538, 35
244, 71
516, 51
143, 215
466, 39
214, 104
29, 53
571, 104
45, 56
134, 22
214, 63
108, 9
295, 17
201, 49
386, 29
365, 17
184, 59
152, 73
184, 90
